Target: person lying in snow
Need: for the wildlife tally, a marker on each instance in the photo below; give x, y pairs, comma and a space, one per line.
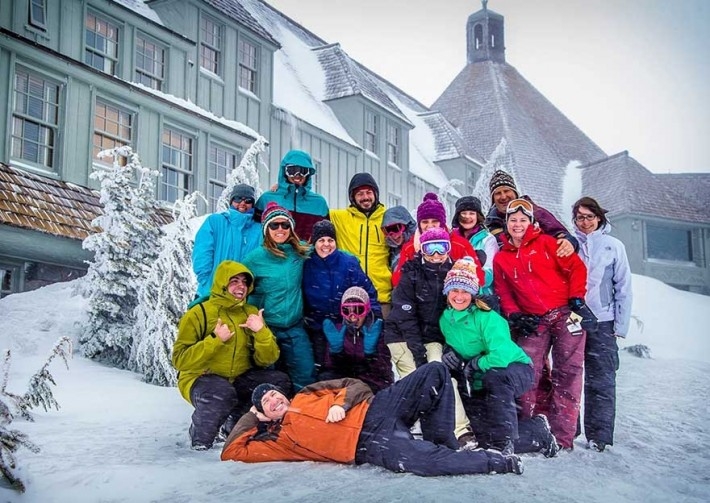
342, 421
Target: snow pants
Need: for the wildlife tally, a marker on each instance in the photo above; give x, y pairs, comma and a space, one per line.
426, 395
218, 402
296, 355
601, 361
492, 410
561, 404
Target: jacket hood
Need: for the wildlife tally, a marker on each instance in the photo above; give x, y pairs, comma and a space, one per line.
359, 180
226, 270
299, 158
398, 215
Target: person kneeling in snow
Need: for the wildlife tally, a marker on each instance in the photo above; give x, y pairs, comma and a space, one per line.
342, 421
219, 342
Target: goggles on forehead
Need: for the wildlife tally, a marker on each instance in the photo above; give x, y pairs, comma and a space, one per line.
394, 229
353, 308
520, 205
431, 247
293, 170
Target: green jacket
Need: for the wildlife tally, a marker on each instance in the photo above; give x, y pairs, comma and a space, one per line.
197, 351
474, 332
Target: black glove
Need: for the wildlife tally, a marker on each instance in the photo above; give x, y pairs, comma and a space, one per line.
452, 360
473, 364
589, 321
264, 432
525, 324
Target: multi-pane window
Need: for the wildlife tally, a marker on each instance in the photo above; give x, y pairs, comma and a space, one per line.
371, 131
393, 200
177, 160
101, 39
393, 144
35, 118
315, 179
38, 14
9, 279
113, 127
210, 45
150, 64
220, 163
247, 66
669, 243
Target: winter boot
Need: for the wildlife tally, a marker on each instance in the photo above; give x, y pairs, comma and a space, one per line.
548, 443
514, 464
467, 441
596, 445
196, 446
505, 447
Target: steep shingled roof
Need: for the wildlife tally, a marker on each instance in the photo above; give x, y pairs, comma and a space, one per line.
237, 12
488, 101
623, 186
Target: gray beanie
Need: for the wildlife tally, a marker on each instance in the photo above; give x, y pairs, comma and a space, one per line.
240, 191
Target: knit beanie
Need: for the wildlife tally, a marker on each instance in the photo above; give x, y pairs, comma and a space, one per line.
259, 393
462, 276
502, 179
240, 191
273, 211
466, 203
322, 229
431, 207
435, 234
355, 293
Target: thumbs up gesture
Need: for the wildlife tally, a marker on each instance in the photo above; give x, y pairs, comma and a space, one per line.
255, 322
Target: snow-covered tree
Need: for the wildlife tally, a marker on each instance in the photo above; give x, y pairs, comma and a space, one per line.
247, 172
163, 298
38, 393
128, 239
500, 159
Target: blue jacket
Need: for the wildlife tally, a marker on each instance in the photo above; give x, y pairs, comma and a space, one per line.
277, 285
608, 278
324, 282
306, 206
228, 235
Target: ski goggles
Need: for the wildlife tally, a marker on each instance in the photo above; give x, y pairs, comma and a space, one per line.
431, 247
520, 205
296, 171
348, 309
394, 229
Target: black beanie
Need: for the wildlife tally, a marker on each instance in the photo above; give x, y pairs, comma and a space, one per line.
467, 203
322, 229
259, 393
240, 191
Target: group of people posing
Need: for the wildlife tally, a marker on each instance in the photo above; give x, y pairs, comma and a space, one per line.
478, 337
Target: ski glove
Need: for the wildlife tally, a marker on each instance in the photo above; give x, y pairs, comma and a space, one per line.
452, 360
334, 335
579, 307
526, 324
371, 337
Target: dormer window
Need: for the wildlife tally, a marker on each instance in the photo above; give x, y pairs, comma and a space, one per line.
37, 16
248, 66
101, 44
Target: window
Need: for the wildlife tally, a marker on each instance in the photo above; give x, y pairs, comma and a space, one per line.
668, 243
247, 66
370, 131
393, 144
113, 127
150, 64
35, 118
393, 200
9, 279
38, 14
210, 45
101, 50
176, 168
221, 162
470, 179
314, 178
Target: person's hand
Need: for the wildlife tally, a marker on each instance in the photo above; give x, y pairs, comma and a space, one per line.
564, 248
222, 331
255, 322
589, 321
452, 361
525, 324
335, 414
259, 415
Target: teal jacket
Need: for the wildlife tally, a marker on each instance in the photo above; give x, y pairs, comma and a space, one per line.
277, 285
476, 333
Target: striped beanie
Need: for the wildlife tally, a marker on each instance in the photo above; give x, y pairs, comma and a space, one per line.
273, 211
462, 276
502, 179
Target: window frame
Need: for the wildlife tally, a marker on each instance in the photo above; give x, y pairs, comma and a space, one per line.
88, 49
252, 72
371, 135
394, 149
43, 125
31, 15
188, 174
147, 76
214, 182
210, 45
116, 138
652, 255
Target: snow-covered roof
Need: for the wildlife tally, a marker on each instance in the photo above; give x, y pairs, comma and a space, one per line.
139, 7
237, 12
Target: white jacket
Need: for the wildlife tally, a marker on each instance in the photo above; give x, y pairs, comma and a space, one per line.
608, 277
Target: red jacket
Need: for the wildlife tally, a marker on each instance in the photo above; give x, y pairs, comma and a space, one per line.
460, 248
532, 279
302, 434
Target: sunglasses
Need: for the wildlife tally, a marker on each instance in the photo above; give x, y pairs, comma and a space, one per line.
582, 218
394, 229
356, 308
293, 170
247, 200
275, 225
431, 247
520, 205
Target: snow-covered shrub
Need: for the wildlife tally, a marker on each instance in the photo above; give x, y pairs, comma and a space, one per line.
501, 159
247, 172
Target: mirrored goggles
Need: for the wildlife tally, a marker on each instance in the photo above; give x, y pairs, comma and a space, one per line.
353, 308
431, 247
520, 205
394, 229
293, 170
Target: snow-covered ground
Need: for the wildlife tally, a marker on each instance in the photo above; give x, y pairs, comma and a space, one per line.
117, 439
